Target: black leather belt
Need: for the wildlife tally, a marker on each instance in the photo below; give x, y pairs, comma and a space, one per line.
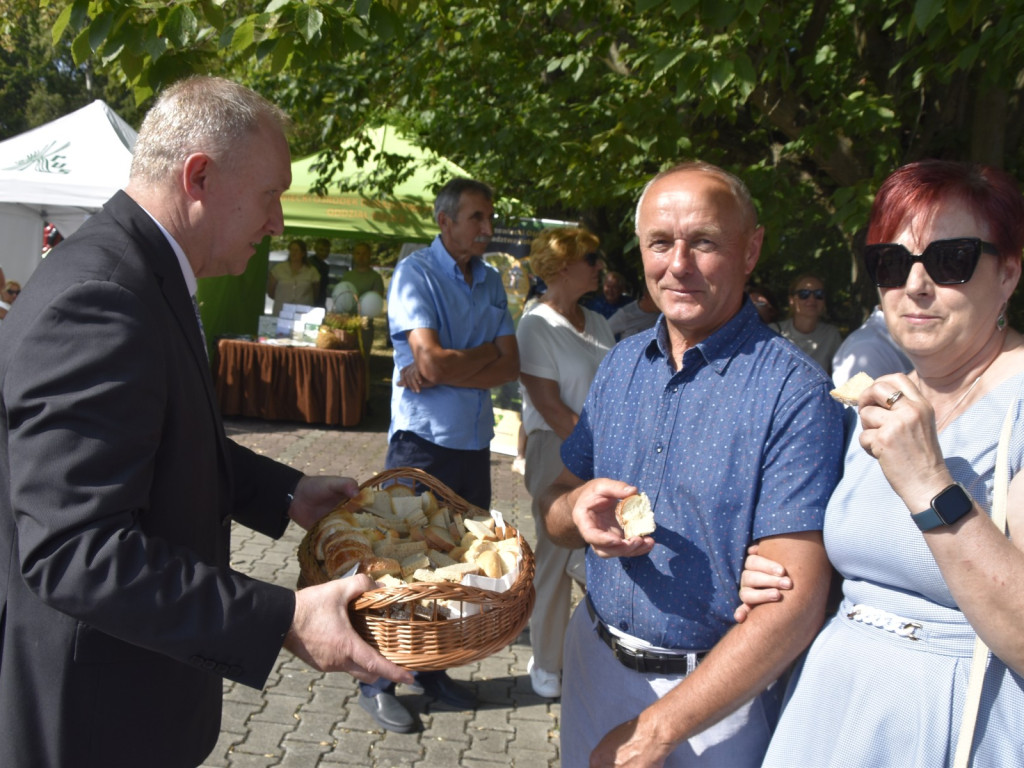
645, 662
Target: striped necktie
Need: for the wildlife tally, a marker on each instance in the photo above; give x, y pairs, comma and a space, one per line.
202, 332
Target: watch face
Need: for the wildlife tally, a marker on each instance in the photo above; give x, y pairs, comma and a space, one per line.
952, 504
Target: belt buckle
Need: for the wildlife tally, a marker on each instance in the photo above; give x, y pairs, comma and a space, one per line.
626, 657
639, 661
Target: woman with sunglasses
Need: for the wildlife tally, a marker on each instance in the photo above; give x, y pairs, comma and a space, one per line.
924, 569
561, 344
804, 327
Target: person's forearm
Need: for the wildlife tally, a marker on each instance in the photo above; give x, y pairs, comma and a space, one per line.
749, 657
556, 504
981, 565
454, 367
984, 569
262, 488
560, 417
494, 374
546, 397
488, 365
741, 666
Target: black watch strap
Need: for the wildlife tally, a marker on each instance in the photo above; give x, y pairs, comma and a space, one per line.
948, 506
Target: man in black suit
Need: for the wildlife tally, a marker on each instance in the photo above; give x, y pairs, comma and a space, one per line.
120, 614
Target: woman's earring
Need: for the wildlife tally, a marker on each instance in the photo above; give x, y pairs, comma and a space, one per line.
1001, 320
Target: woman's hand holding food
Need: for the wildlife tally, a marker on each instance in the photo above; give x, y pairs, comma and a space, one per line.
899, 431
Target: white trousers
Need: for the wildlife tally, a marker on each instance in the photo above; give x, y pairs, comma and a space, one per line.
599, 693
550, 615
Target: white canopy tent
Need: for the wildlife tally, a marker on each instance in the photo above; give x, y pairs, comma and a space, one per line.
61, 172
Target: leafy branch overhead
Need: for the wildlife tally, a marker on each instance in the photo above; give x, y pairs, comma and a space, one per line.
569, 107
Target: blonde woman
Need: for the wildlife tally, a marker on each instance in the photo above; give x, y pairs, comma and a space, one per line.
561, 343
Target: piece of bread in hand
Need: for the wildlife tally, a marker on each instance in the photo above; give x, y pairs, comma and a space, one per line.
635, 516
850, 391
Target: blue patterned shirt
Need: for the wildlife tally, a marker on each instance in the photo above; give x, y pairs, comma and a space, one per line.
743, 442
428, 291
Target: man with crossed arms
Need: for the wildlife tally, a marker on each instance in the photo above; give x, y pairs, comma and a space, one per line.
454, 340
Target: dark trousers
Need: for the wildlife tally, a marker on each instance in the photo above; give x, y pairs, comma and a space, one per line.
468, 473
383, 685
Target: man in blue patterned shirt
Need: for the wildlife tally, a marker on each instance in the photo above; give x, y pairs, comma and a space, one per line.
730, 431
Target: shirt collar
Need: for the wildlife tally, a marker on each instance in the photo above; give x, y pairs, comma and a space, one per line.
718, 348
186, 268
447, 265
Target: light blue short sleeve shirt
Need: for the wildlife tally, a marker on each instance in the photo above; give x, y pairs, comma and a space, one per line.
428, 290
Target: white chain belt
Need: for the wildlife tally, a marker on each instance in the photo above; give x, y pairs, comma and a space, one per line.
890, 622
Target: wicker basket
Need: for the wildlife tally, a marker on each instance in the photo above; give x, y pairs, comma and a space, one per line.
336, 338
434, 642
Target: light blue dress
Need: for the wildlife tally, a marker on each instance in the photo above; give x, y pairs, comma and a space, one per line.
884, 682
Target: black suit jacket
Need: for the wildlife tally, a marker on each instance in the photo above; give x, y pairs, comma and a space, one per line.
119, 613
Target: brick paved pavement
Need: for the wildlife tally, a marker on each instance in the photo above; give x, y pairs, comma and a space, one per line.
307, 719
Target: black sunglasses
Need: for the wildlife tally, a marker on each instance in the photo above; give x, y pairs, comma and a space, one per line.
592, 258
806, 293
13, 293
947, 262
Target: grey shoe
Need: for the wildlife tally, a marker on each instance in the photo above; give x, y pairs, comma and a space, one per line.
388, 712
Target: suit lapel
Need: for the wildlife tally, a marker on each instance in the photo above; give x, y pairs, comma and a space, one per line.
160, 258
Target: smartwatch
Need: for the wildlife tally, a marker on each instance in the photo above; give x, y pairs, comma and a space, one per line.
947, 507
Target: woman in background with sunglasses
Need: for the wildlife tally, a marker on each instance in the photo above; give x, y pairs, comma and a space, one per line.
561, 344
804, 327
924, 569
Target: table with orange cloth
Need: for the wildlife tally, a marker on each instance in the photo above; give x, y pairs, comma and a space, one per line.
286, 383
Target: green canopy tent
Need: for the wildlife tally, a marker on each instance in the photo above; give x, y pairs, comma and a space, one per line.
407, 214
232, 305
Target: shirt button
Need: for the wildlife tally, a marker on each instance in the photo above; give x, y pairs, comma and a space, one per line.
627, 566
623, 626
659, 448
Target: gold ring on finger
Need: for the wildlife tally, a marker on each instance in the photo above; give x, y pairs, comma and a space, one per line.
890, 401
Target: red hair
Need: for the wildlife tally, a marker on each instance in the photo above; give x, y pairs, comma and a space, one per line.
990, 194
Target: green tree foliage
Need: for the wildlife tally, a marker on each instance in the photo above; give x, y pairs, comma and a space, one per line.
39, 80
568, 107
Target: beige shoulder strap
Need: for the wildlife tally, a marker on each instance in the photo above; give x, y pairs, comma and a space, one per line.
979, 661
